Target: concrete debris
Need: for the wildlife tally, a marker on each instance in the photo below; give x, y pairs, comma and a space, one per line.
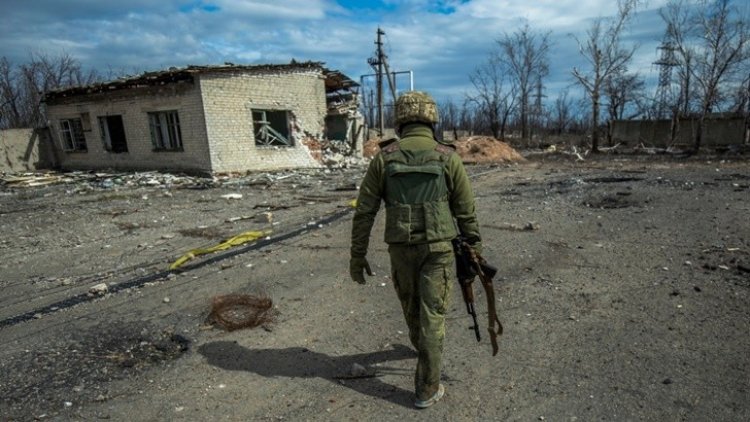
340, 154
357, 370
566, 151
99, 289
264, 217
240, 218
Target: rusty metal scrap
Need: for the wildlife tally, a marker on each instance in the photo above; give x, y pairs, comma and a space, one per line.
234, 311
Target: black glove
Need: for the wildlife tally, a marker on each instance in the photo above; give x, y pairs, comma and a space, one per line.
356, 266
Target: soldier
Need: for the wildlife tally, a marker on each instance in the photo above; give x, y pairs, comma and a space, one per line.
427, 195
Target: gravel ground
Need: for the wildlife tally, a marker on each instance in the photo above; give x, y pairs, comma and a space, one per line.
623, 289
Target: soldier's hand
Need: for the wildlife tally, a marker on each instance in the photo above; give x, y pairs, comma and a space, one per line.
356, 267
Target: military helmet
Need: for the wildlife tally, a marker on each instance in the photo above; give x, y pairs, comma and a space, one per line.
416, 106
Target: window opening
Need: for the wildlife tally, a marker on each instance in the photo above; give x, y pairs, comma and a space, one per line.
271, 128
71, 134
165, 131
113, 133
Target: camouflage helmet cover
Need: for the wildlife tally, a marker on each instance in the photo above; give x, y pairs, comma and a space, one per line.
416, 106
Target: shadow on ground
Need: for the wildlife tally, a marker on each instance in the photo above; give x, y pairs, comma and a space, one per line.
299, 362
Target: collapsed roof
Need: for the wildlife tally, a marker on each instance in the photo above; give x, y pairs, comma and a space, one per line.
336, 83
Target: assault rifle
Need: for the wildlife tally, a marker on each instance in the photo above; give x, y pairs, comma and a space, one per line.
470, 264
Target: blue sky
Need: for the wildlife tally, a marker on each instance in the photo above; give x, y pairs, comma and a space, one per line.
441, 41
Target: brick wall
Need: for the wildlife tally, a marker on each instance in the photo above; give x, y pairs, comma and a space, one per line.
229, 99
133, 105
216, 123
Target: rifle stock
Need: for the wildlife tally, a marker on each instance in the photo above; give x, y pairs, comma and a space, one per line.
468, 265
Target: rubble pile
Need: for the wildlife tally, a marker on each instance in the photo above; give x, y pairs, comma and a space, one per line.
333, 153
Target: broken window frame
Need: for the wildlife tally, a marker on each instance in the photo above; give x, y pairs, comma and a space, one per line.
106, 136
266, 135
71, 135
165, 130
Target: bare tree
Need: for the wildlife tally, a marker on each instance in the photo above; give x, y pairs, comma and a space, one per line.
493, 99
449, 117
524, 54
712, 40
740, 97
467, 117
22, 87
620, 90
10, 115
562, 113
606, 56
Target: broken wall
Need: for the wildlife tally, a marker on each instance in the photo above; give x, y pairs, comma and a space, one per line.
25, 150
134, 105
228, 100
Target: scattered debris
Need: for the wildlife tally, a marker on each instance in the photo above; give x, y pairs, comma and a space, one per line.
240, 218
358, 371
529, 226
87, 181
564, 150
99, 289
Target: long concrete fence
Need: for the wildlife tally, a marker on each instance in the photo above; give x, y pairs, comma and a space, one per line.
717, 132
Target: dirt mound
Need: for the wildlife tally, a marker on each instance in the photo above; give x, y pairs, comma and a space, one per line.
371, 148
485, 149
474, 149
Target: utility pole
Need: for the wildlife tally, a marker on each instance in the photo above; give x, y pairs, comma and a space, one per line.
380, 64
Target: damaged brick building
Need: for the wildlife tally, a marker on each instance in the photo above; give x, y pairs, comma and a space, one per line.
206, 119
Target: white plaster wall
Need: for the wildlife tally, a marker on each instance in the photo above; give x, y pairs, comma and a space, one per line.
133, 106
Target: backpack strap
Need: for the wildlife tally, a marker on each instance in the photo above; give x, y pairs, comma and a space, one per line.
445, 149
390, 147
387, 142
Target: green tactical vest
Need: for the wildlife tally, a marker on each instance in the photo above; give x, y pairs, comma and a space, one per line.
416, 196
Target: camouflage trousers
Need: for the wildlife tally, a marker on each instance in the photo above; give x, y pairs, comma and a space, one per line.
422, 276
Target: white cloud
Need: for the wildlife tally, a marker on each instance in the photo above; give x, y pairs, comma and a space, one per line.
441, 41
274, 9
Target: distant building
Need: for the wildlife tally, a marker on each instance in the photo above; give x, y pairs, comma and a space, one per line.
205, 119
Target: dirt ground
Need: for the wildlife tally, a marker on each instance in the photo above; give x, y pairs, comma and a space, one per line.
623, 288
